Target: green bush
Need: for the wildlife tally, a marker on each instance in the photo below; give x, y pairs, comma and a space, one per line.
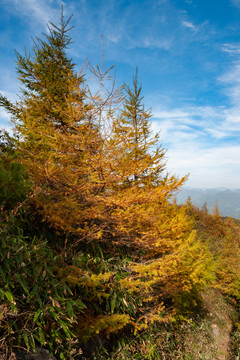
36, 307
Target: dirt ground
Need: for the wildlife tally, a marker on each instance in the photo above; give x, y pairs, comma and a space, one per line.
221, 323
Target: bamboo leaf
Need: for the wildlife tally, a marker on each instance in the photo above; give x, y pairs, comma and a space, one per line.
9, 296
70, 310
22, 282
36, 315
34, 290
25, 337
41, 336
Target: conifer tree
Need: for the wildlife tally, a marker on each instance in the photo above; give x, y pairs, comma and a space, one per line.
141, 158
58, 133
204, 208
141, 188
215, 210
111, 191
173, 260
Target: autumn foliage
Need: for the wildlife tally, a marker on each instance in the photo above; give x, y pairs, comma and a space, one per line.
118, 254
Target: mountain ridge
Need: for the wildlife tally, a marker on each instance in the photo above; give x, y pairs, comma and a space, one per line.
227, 200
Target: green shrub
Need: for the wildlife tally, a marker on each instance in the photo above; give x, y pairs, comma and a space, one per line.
36, 308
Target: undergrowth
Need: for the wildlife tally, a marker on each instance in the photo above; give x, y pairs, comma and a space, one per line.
187, 340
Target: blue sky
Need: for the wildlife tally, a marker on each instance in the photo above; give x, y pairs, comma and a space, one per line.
188, 58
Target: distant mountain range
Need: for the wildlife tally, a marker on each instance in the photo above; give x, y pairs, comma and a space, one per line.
228, 200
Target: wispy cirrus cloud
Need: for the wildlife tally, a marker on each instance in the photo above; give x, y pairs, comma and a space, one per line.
201, 122
231, 49
230, 81
189, 25
34, 11
204, 140
196, 147
197, 141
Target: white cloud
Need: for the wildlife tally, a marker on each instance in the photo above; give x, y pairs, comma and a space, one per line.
194, 136
176, 114
197, 137
217, 133
189, 25
199, 120
232, 76
231, 49
115, 38
231, 82
9, 95
215, 167
157, 43
4, 117
34, 10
